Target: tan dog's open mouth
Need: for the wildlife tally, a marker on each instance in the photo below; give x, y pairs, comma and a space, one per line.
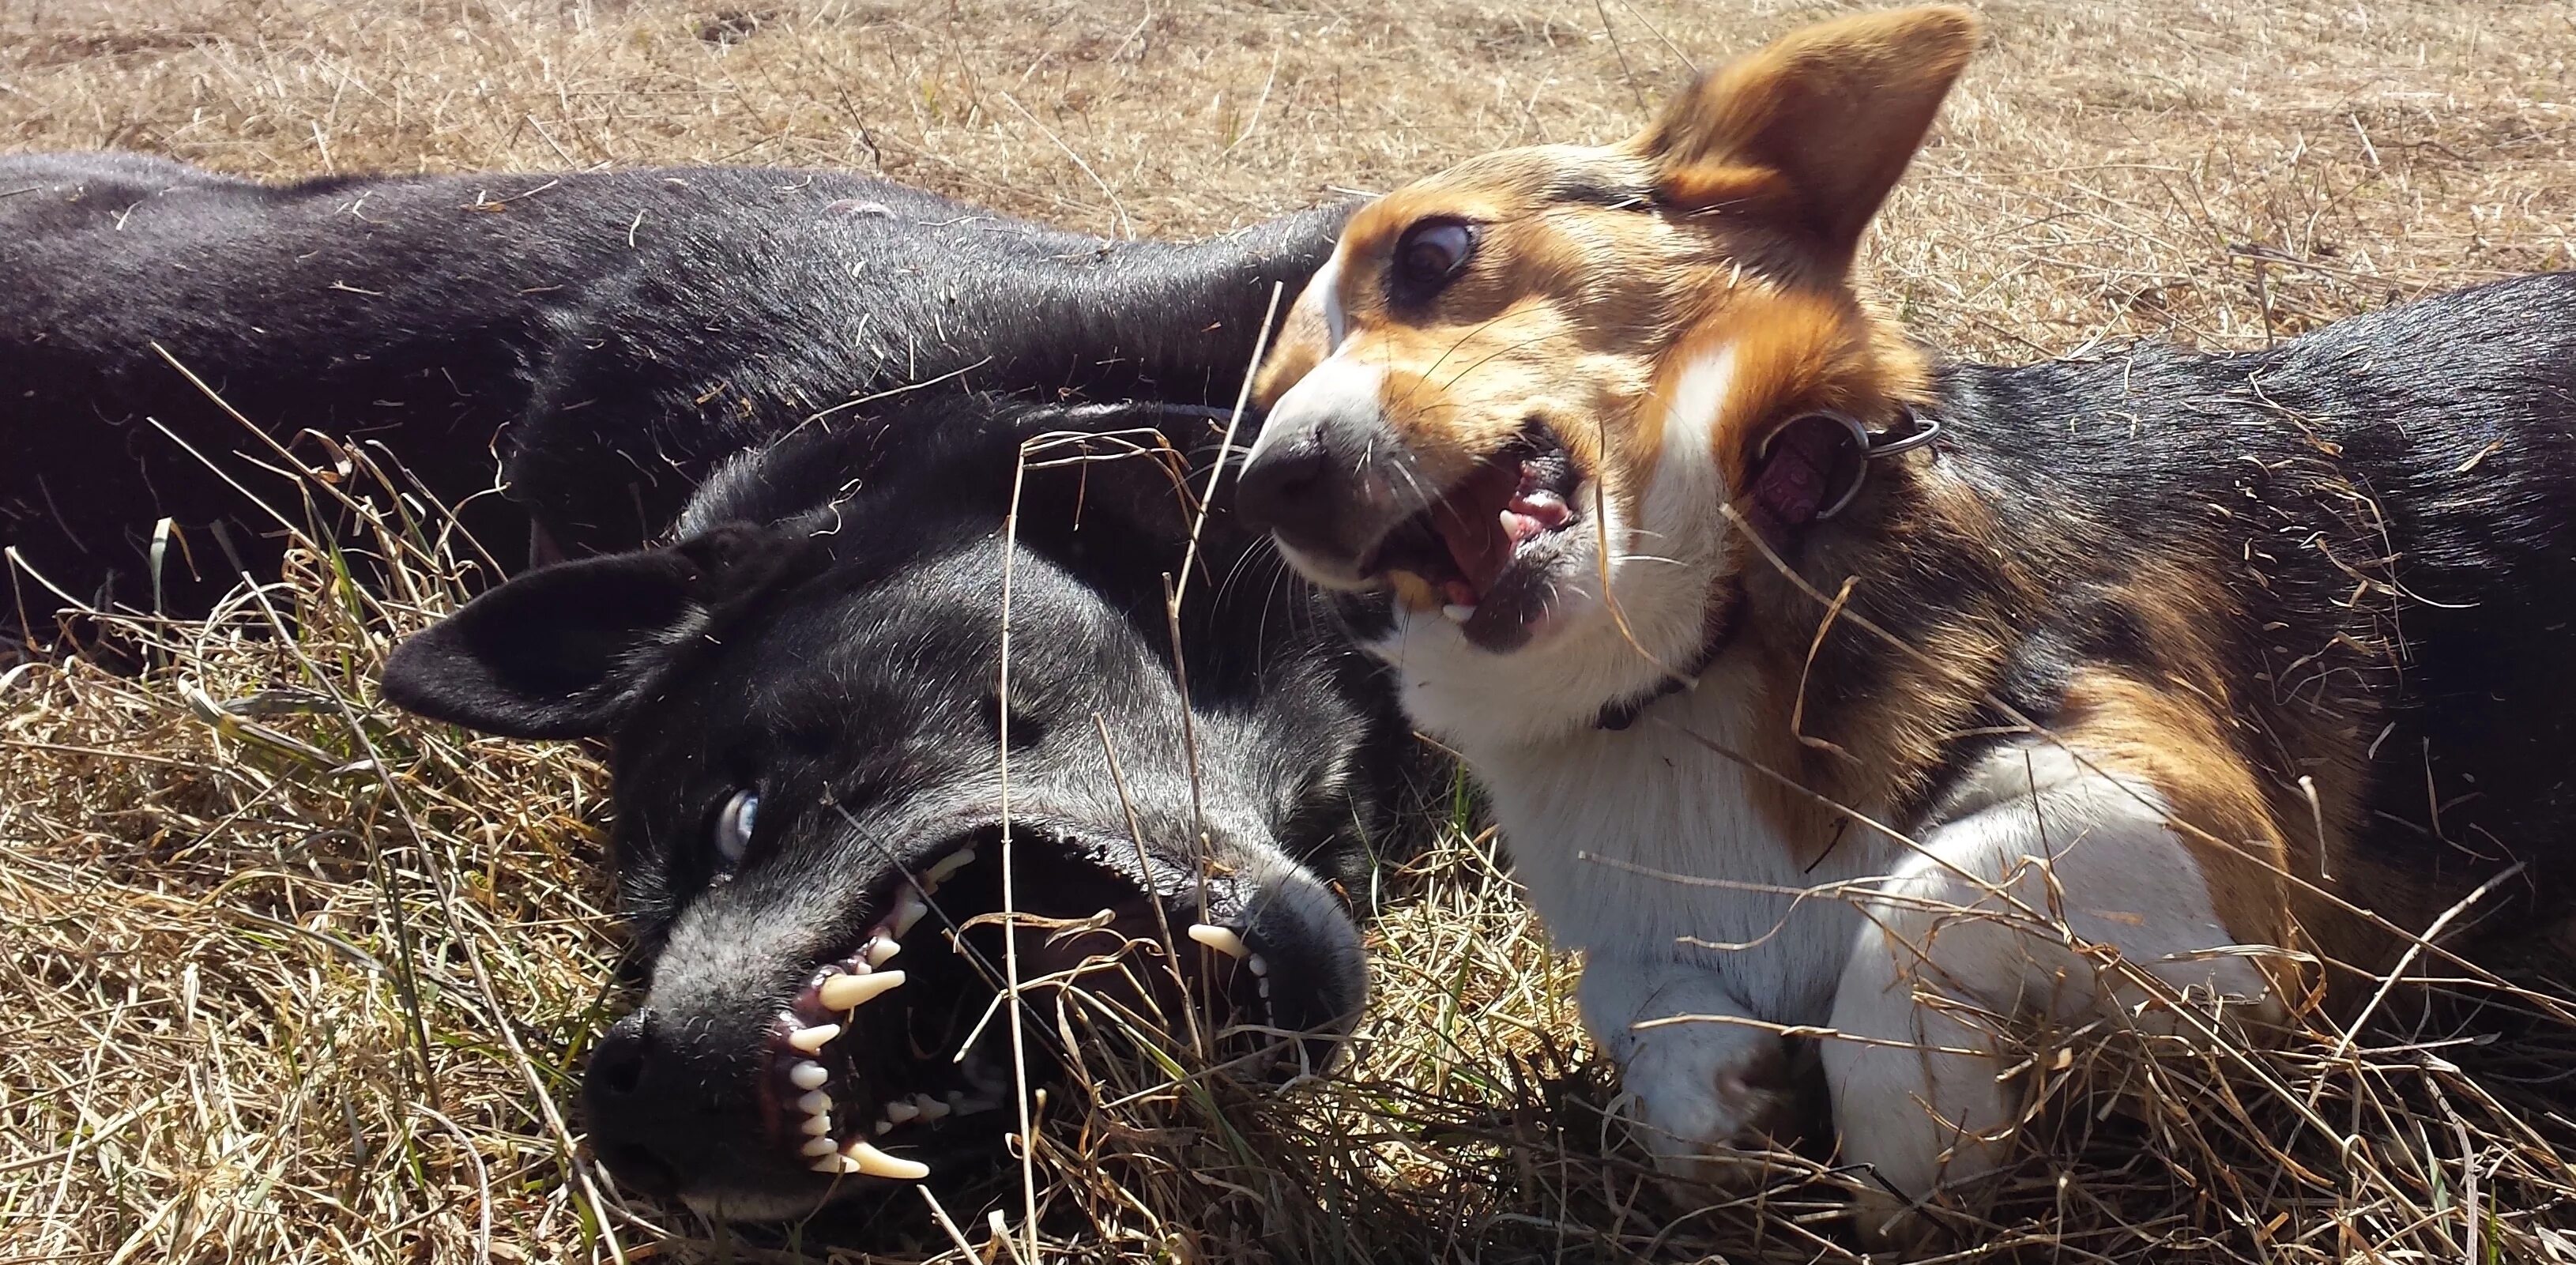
1488, 553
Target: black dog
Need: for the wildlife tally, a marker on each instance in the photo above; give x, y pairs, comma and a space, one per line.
806, 715
803, 694
597, 340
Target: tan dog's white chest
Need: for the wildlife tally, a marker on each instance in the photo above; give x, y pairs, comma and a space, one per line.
1643, 846
1657, 858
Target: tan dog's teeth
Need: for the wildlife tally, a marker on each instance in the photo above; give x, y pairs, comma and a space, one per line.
881, 948
812, 1040
849, 992
818, 1147
816, 1125
908, 910
875, 1163
815, 1103
1457, 613
932, 1110
902, 1112
883, 1127
805, 1075
1222, 939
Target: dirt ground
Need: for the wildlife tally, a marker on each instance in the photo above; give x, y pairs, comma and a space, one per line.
316, 986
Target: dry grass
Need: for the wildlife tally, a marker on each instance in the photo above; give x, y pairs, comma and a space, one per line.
295, 978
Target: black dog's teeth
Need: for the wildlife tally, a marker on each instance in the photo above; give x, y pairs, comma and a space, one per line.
808, 1026
1228, 941
833, 1133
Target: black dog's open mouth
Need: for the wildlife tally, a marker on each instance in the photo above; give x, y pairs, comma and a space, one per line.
1484, 550
887, 1051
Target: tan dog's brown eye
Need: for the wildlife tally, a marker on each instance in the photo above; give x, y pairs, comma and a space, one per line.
1430, 253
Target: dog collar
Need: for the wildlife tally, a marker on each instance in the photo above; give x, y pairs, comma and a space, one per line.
1812, 466
1822, 460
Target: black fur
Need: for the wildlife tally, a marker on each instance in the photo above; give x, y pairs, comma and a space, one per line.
841, 661
2383, 506
595, 341
693, 352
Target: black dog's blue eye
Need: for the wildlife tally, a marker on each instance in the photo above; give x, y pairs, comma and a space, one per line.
734, 824
1432, 252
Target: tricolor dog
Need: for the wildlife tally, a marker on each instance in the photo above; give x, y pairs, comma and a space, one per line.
1819, 681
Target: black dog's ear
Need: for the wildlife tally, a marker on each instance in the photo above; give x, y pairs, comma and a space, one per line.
566, 650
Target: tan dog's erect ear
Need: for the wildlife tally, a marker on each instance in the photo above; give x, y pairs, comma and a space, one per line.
1815, 127
1302, 344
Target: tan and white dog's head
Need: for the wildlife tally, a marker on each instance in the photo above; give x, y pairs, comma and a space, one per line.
1551, 368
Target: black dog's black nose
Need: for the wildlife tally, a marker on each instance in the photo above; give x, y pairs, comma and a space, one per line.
1282, 482
617, 1062
628, 1094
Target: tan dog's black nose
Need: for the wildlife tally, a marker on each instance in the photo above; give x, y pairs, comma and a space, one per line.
1330, 505
1280, 486
1330, 492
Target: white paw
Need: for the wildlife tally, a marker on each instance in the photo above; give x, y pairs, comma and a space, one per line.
1699, 1091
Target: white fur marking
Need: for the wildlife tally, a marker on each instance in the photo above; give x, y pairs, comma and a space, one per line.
1342, 391
2031, 829
1596, 818
1328, 283
1698, 398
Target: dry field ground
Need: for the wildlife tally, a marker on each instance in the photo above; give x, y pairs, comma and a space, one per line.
314, 983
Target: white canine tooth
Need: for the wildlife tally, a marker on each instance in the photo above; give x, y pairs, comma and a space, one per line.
1458, 613
815, 1103
932, 1110
1222, 939
884, 1127
817, 1147
948, 865
812, 1040
816, 1126
835, 1163
1258, 966
908, 910
1265, 988
806, 1075
875, 1163
849, 992
902, 1112
881, 949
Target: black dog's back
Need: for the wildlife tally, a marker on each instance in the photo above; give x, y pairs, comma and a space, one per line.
596, 340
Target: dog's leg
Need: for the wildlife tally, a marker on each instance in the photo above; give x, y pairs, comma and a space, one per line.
1696, 1085
2053, 864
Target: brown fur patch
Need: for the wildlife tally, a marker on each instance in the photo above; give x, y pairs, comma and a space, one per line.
1811, 132
2182, 744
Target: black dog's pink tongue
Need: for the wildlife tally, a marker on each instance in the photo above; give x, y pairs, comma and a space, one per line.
1796, 476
